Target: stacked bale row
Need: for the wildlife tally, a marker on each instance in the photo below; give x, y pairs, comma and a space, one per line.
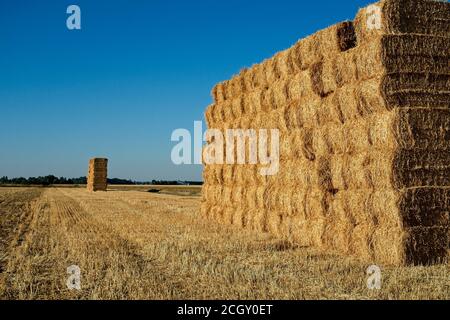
364, 122
98, 174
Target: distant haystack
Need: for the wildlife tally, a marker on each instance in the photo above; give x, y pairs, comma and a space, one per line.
363, 111
98, 174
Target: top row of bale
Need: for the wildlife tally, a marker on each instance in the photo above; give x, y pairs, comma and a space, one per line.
399, 17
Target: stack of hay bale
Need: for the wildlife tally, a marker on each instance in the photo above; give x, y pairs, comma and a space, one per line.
98, 174
363, 110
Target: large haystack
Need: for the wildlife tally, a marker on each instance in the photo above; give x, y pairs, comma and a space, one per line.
363, 110
98, 174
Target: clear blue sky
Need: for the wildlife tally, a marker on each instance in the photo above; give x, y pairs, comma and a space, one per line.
135, 72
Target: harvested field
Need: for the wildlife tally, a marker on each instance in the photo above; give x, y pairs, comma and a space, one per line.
140, 245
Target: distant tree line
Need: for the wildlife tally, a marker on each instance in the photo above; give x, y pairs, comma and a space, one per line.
46, 181
51, 180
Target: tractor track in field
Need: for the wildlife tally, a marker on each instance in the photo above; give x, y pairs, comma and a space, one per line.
107, 241
15, 217
50, 231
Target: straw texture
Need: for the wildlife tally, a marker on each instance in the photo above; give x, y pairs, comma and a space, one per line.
364, 120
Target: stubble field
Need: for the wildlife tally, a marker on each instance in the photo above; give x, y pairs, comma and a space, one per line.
132, 244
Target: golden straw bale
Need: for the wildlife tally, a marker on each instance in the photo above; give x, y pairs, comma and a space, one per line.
237, 107
272, 70
227, 217
267, 100
300, 86
255, 101
218, 93
280, 94
274, 222
250, 197
209, 116
238, 217
259, 76
286, 66
404, 16
308, 50
343, 69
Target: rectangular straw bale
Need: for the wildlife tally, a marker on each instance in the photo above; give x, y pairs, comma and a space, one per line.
285, 64
307, 111
361, 99
300, 232
274, 219
300, 86
415, 44
329, 78
267, 100
209, 116
290, 117
370, 59
318, 226
329, 112
218, 93
426, 206
227, 111
316, 229
205, 209
382, 169
228, 214
411, 98
417, 82
388, 245
421, 168
248, 75
412, 16
228, 89
426, 244
403, 17
416, 63
280, 94
336, 235
272, 69
238, 217
217, 114
308, 51
418, 129
213, 212
257, 220
299, 173
259, 76
320, 87
425, 129
254, 102
342, 70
